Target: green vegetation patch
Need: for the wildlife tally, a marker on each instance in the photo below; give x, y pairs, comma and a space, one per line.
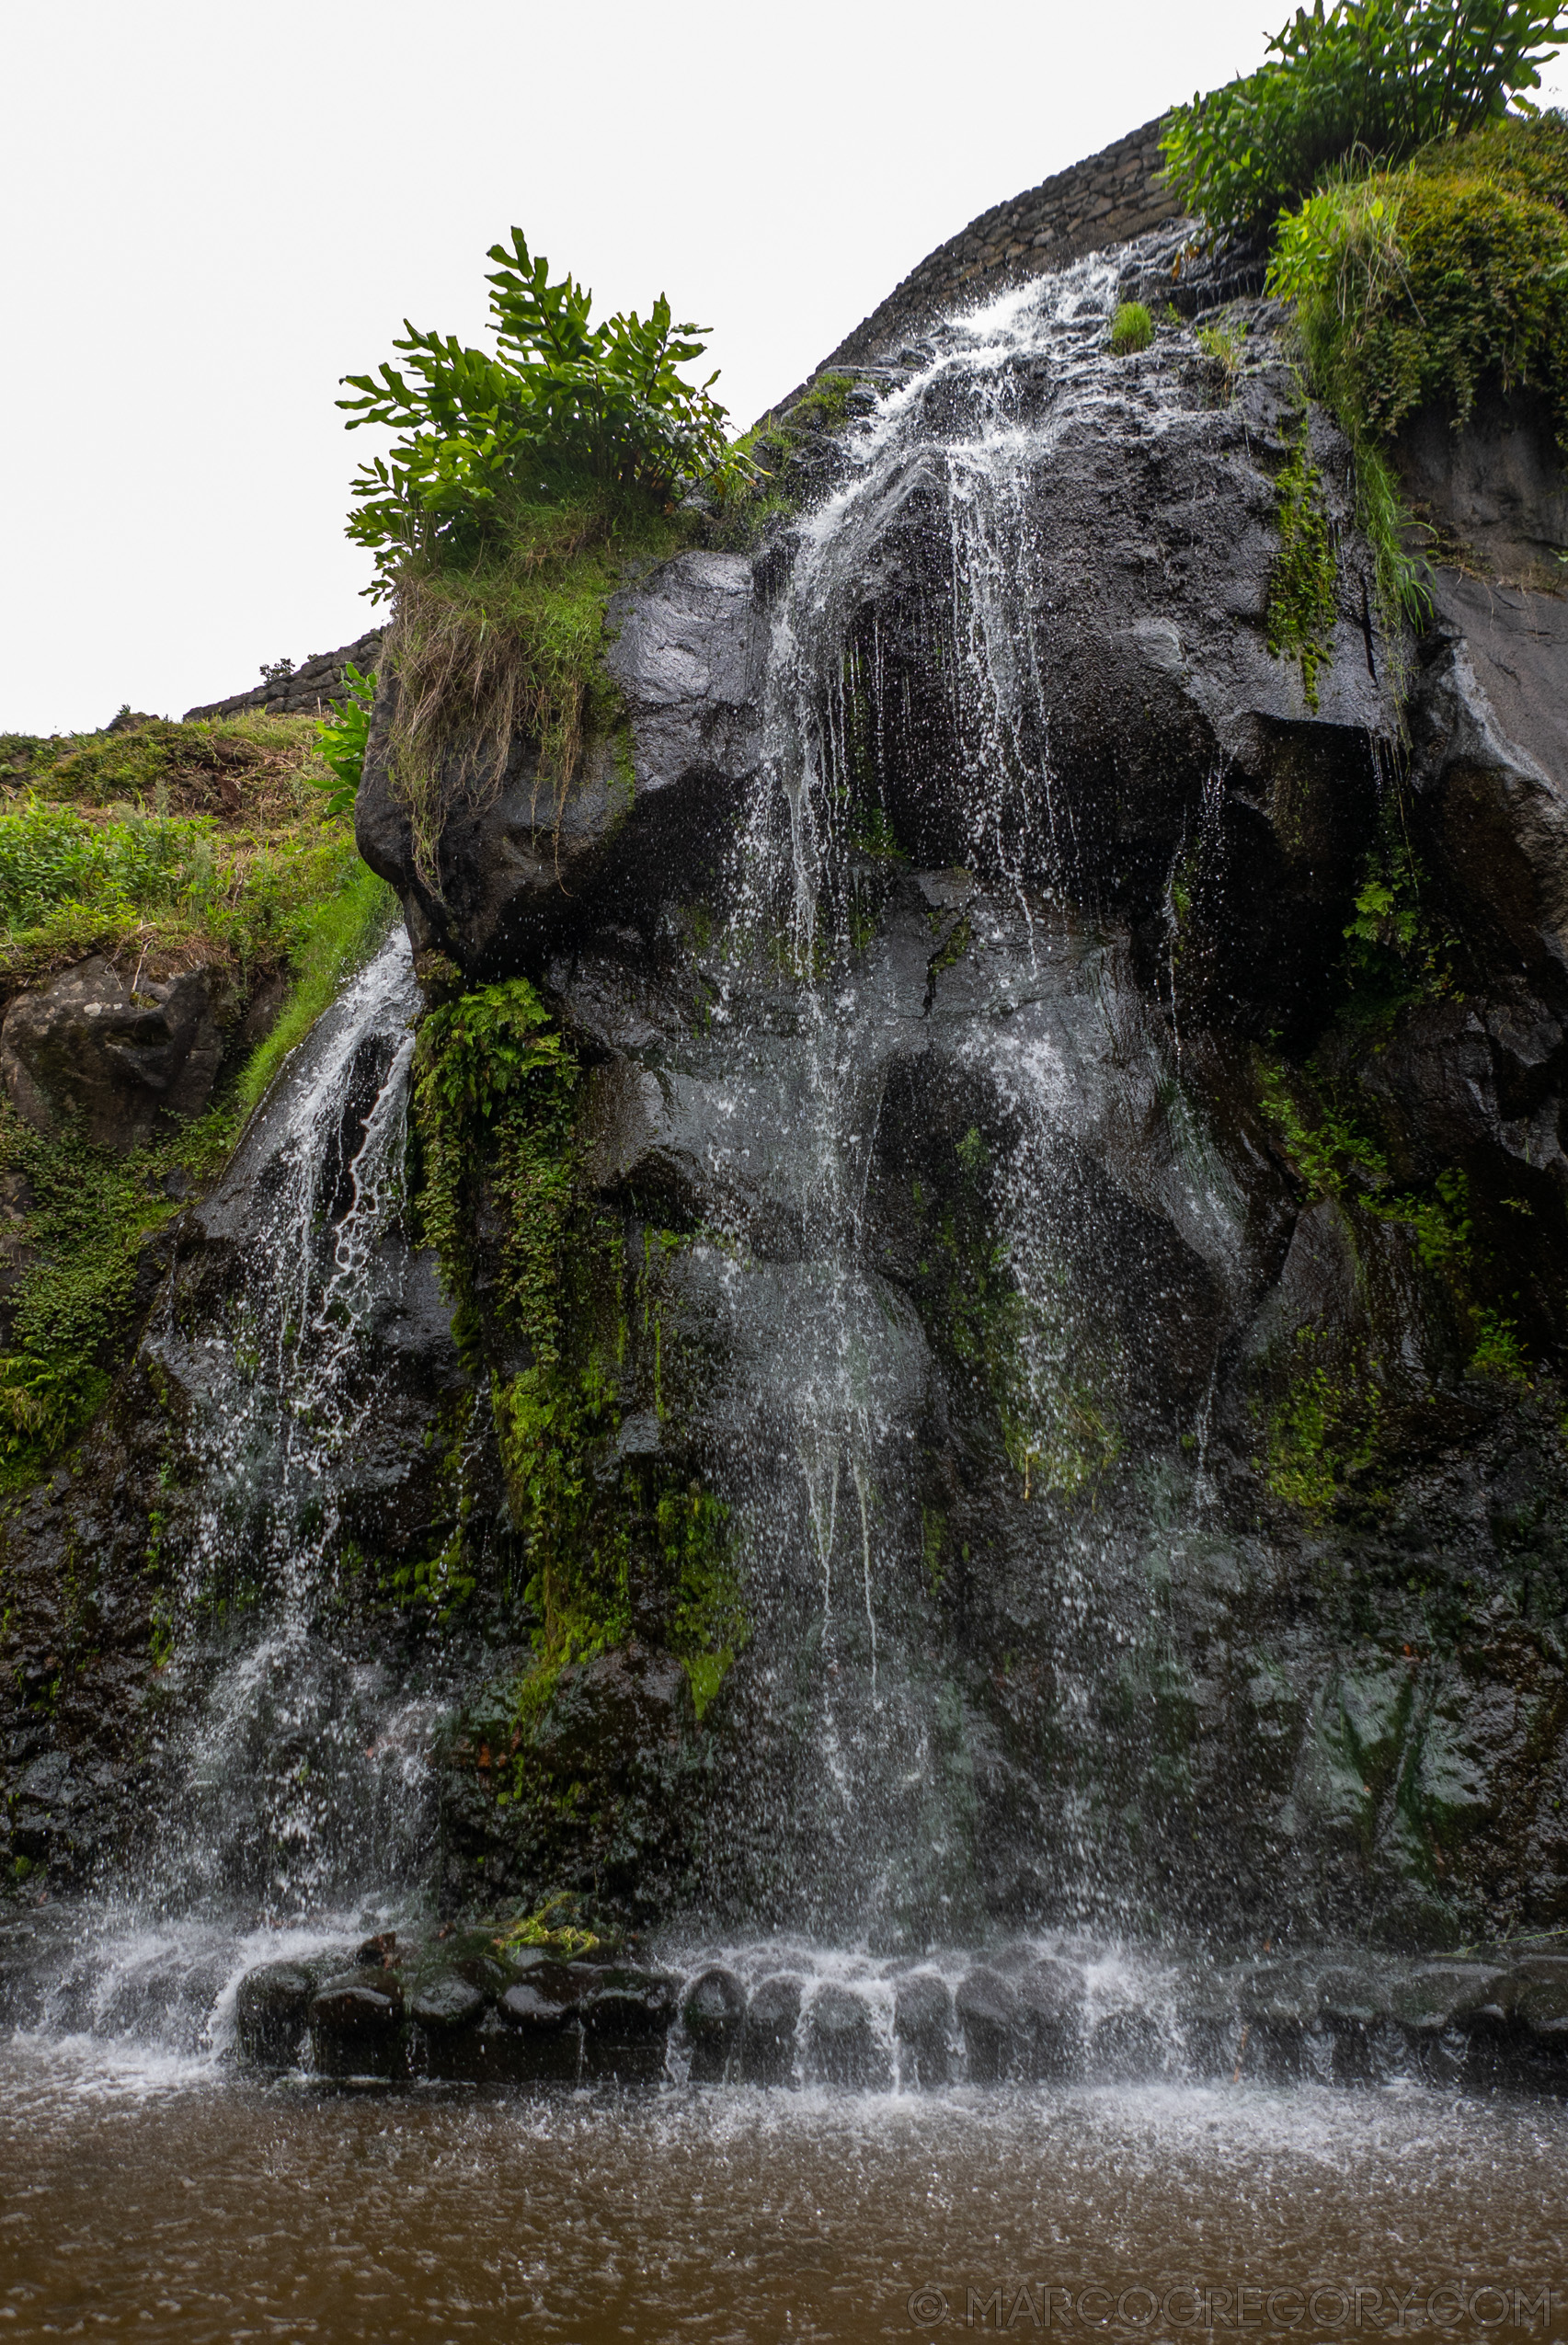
1302, 596
168, 842
1132, 328
1030, 1358
511, 647
164, 846
496, 1097
1381, 78
1324, 1432
1412, 288
1335, 1158
520, 481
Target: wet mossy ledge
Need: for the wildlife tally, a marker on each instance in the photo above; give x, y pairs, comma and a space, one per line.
174, 914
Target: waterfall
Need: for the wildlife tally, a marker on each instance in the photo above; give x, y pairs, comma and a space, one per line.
874, 823
303, 1772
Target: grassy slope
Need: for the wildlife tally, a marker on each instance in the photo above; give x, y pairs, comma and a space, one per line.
164, 846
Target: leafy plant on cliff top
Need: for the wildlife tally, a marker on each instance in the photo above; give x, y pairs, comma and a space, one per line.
1381, 78
561, 403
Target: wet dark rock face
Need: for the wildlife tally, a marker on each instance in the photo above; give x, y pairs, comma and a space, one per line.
1133, 1525
686, 652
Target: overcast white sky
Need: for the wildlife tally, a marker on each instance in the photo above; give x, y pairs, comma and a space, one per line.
212, 211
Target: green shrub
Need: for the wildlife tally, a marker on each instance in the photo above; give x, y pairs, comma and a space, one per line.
561, 407
520, 485
1132, 328
1414, 287
1381, 78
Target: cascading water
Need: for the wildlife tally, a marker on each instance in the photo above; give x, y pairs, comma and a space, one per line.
295, 1783
956, 1190
303, 1778
1024, 1010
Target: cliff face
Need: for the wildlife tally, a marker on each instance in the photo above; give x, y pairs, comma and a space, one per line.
1067, 1244
1188, 1533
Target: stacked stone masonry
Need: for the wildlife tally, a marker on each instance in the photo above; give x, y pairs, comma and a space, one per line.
308, 691
1110, 196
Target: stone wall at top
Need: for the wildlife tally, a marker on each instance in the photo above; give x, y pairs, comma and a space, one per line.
1102, 200
306, 690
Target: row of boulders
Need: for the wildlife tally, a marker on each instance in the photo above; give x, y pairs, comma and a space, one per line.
468, 2006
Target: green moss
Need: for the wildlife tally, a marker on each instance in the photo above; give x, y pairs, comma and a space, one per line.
1498, 1351
1303, 599
554, 1927
1324, 1431
495, 1103
85, 1215
824, 407
1132, 328
1416, 287
494, 1094
326, 940
1027, 1357
709, 1623
1335, 1158
872, 833
952, 949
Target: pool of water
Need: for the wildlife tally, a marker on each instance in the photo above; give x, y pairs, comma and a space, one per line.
151, 2197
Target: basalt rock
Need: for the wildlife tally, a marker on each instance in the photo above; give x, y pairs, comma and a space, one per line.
844, 2050
273, 2012
922, 2014
124, 1065
773, 2016
525, 850
988, 2014
712, 2014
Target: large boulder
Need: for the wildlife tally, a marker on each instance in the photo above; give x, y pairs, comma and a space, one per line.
520, 852
126, 1060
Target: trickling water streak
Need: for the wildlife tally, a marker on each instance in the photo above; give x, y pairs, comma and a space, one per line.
860, 1488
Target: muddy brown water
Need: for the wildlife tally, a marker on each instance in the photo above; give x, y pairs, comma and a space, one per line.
173, 2202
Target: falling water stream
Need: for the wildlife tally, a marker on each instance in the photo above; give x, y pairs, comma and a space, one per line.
147, 2188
